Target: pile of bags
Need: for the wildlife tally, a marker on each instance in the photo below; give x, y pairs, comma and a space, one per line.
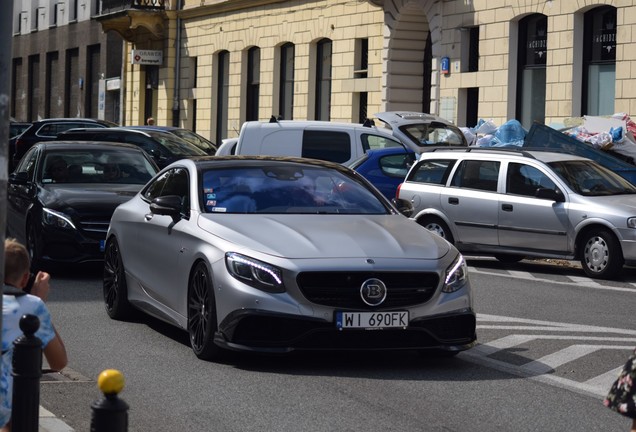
487, 134
616, 133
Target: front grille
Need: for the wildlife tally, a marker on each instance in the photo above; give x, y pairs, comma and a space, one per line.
342, 289
94, 228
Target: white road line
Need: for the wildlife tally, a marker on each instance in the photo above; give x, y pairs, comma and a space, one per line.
579, 280
550, 281
604, 381
629, 340
502, 344
550, 362
481, 318
521, 274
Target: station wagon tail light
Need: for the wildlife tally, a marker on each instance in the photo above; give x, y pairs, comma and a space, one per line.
255, 273
57, 219
456, 275
631, 222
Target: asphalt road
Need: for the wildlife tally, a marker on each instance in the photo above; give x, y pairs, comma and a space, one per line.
550, 342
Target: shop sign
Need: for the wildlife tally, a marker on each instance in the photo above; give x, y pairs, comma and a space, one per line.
147, 57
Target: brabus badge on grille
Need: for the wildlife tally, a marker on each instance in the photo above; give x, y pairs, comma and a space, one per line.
373, 292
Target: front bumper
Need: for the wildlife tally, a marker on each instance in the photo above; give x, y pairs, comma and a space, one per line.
259, 331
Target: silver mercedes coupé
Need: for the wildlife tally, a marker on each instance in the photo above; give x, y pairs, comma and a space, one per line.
267, 254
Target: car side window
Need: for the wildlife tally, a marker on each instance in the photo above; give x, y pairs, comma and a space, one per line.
326, 145
28, 163
172, 182
372, 142
477, 174
524, 180
396, 165
433, 171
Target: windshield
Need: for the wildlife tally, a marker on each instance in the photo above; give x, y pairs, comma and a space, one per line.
96, 166
591, 179
176, 145
197, 140
434, 134
286, 188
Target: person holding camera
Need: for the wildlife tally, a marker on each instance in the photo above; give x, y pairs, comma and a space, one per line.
16, 302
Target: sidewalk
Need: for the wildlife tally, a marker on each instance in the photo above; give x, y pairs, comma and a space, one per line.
50, 423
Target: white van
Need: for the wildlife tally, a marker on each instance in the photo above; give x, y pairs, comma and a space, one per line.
331, 141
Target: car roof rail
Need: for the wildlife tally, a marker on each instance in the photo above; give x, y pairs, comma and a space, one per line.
510, 149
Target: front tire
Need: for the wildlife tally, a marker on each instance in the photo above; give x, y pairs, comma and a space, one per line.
601, 255
33, 247
202, 314
438, 227
115, 288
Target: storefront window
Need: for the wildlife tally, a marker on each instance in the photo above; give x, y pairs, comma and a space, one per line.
599, 61
533, 31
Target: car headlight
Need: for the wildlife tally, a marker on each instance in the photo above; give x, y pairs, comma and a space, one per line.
255, 273
631, 222
57, 219
456, 275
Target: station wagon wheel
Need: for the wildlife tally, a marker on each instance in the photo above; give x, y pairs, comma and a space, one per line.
202, 314
437, 226
601, 255
115, 289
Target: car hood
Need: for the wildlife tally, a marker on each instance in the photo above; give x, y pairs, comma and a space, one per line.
332, 236
85, 197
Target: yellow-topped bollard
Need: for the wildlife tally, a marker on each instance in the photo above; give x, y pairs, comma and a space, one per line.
110, 413
111, 381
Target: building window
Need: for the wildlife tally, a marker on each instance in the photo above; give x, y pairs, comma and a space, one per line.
92, 80
222, 95
73, 11
323, 80
34, 88
253, 83
286, 97
531, 80
599, 61
51, 86
361, 58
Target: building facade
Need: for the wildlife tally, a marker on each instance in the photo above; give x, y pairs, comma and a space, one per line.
210, 65
60, 56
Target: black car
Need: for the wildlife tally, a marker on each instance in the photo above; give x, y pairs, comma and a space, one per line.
15, 130
164, 147
61, 196
48, 129
204, 144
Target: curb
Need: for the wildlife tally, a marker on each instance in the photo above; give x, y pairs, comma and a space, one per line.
50, 423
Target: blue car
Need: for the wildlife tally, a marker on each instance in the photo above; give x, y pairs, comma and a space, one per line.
385, 168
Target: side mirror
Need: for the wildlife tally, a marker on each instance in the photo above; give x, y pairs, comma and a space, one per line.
403, 206
549, 194
169, 205
20, 178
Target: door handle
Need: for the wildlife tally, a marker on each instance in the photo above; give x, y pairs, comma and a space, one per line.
506, 207
453, 200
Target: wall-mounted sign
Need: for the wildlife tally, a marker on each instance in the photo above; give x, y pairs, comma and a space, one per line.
146, 57
113, 84
445, 65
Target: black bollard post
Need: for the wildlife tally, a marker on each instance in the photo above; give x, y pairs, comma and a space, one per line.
110, 414
27, 371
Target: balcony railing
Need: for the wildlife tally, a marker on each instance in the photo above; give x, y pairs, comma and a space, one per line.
110, 6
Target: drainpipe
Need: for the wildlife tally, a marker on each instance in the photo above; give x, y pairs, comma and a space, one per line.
177, 70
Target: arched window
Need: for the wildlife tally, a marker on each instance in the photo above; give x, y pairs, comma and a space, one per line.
286, 94
222, 94
323, 80
533, 36
253, 83
599, 61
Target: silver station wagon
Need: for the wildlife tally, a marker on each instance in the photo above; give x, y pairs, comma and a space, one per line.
514, 204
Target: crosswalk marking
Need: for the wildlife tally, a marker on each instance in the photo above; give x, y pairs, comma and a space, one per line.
542, 369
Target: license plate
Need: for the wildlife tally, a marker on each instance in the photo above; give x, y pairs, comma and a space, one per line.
372, 320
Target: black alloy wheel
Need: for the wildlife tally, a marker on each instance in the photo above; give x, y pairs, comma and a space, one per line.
115, 289
33, 247
202, 314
